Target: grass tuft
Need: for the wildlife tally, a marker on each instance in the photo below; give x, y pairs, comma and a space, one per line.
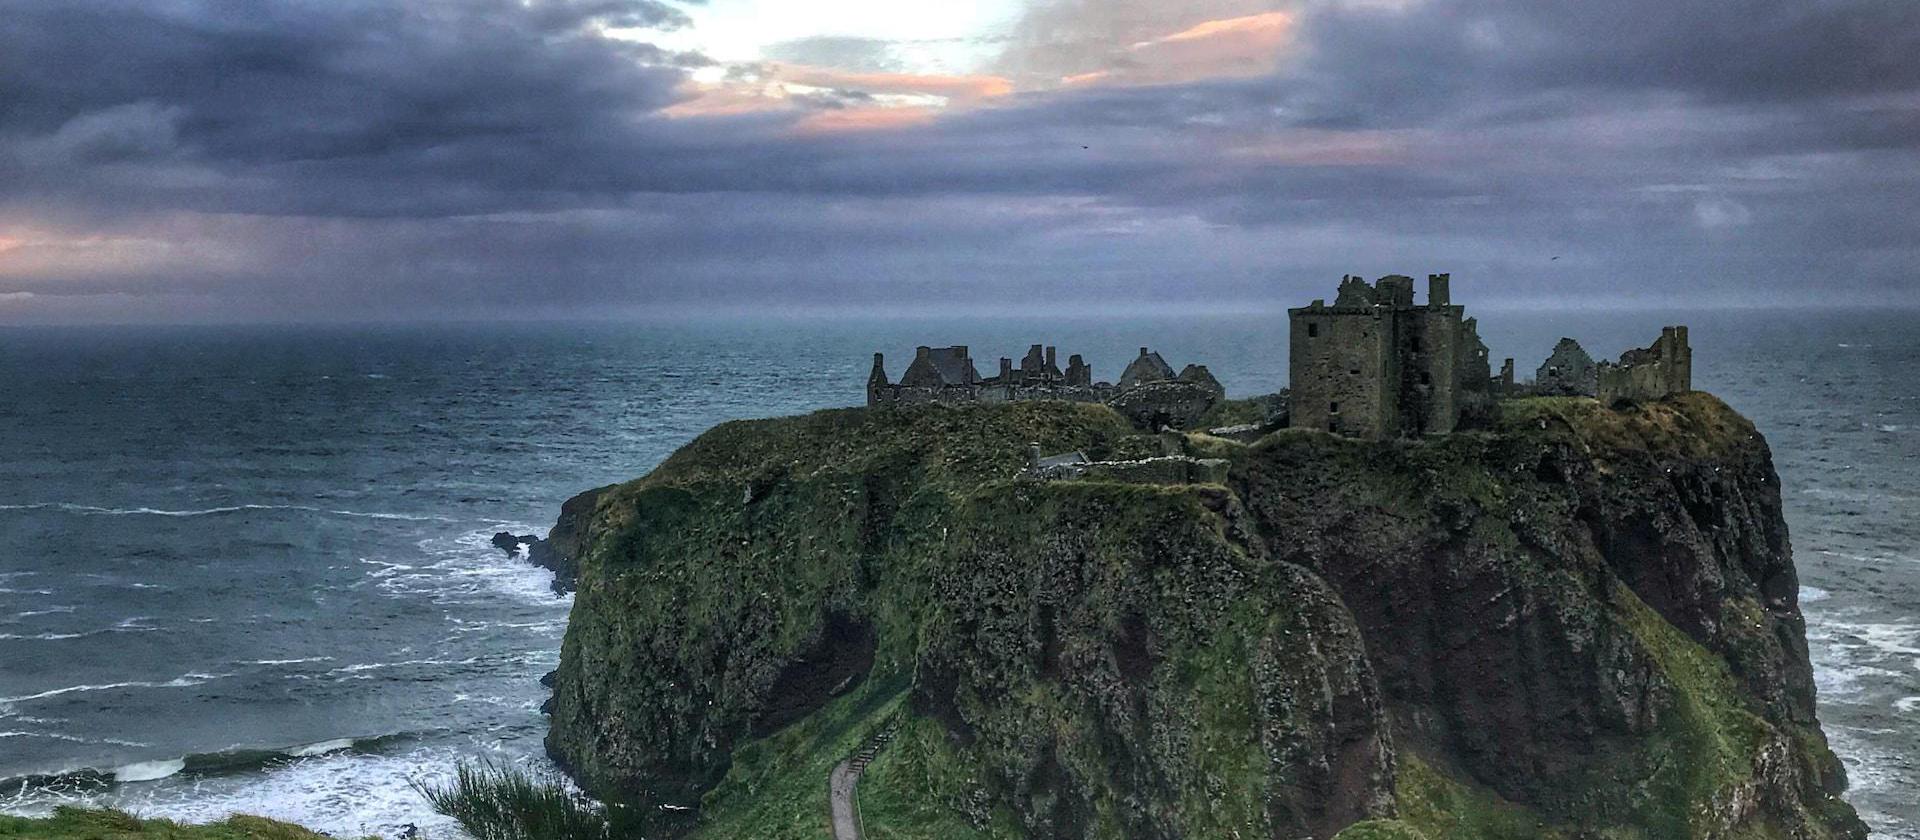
502, 802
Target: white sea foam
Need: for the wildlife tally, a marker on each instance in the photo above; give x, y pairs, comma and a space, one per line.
343, 793
466, 568
1813, 594
300, 661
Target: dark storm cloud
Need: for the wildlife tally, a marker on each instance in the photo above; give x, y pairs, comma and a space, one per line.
302, 156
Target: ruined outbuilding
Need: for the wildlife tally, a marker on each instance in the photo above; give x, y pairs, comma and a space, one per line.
1376, 365
1148, 390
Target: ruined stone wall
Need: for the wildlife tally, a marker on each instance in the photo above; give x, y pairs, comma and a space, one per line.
1164, 469
1650, 373
887, 395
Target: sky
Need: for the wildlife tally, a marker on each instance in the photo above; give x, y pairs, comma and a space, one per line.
208, 160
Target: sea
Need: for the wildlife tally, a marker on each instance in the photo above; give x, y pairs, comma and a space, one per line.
247, 569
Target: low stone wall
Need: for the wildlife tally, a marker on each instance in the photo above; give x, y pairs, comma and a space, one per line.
1166, 469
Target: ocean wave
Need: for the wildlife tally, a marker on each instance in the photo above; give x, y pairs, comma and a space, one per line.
95, 510
45, 611
183, 681
348, 793
148, 771
130, 625
222, 762
300, 661
376, 666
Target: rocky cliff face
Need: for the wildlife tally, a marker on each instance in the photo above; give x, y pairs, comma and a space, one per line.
1581, 622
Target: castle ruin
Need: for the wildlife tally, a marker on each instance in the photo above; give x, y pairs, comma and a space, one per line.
948, 375
1373, 365
1376, 365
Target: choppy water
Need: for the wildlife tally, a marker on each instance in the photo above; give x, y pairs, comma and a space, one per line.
247, 569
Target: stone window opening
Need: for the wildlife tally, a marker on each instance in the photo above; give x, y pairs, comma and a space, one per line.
1333, 408
1313, 330
1416, 345
1426, 378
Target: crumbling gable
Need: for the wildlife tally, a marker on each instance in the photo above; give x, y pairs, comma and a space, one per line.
1568, 371
1146, 367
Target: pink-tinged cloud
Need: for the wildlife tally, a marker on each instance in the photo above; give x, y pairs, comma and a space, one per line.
1249, 45
862, 119
955, 88
1308, 147
795, 88
724, 99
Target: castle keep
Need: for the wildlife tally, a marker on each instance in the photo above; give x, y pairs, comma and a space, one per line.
1376, 365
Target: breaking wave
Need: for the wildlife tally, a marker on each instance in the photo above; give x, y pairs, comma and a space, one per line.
94, 510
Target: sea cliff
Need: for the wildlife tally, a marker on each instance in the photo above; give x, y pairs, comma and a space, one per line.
1578, 622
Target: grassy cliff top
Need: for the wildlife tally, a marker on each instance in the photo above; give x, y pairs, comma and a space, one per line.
956, 445
89, 824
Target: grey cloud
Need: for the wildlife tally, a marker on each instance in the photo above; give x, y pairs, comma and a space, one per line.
501, 155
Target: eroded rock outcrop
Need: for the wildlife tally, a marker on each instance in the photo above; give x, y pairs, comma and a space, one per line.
1580, 622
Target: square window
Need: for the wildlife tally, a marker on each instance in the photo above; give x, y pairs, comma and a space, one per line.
1333, 408
1313, 330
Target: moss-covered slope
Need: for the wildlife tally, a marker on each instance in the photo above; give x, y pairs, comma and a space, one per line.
1580, 622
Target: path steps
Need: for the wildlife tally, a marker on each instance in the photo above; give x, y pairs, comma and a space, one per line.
846, 777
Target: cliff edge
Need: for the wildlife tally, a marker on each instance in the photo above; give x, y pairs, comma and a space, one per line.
1580, 622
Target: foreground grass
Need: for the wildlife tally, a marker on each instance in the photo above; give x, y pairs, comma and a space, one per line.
69, 823
503, 802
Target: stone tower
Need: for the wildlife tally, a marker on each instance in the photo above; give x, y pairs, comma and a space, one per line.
1375, 365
